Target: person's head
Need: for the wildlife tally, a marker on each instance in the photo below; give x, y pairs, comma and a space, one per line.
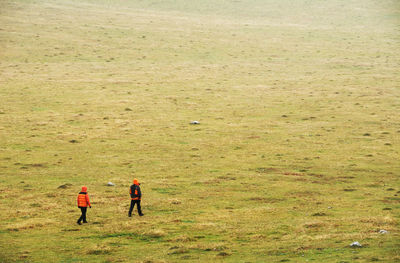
84, 189
135, 181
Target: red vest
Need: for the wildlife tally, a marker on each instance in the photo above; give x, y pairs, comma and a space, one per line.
135, 194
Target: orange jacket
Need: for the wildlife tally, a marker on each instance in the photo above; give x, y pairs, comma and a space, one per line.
83, 198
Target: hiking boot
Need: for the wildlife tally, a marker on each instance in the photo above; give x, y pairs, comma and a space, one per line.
141, 214
129, 215
84, 222
79, 223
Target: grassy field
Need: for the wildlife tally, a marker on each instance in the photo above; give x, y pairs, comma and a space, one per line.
296, 155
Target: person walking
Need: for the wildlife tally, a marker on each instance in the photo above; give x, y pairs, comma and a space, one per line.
136, 196
83, 203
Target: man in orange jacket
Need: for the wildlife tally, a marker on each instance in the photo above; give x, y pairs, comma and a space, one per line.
136, 196
83, 203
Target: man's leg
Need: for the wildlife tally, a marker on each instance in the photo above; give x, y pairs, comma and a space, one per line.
81, 217
131, 208
139, 208
84, 209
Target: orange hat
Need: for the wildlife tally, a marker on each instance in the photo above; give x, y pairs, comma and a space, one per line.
135, 181
84, 189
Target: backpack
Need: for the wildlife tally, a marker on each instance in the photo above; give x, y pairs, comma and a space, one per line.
134, 191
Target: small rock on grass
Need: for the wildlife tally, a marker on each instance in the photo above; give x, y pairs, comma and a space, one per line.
194, 122
382, 231
355, 244
64, 186
110, 184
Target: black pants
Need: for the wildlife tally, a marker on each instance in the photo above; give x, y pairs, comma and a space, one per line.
139, 209
83, 216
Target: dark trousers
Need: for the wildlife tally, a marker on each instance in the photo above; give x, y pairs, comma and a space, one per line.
139, 209
83, 216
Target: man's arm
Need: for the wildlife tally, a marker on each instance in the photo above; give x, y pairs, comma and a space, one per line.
87, 200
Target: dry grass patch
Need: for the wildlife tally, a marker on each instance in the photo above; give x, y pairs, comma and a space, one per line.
156, 233
183, 238
100, 250
30, 224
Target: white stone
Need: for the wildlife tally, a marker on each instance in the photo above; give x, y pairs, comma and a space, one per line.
110, 184
355, 244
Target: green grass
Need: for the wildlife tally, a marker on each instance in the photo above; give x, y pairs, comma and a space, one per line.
296, 155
